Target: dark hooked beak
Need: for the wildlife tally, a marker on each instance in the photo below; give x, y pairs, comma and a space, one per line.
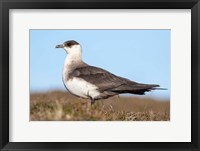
59, 46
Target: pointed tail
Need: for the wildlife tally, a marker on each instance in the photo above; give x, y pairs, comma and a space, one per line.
137, 88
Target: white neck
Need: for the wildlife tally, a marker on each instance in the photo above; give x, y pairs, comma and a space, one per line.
73, 59
74, 55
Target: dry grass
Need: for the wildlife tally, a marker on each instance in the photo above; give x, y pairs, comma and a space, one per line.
58, 105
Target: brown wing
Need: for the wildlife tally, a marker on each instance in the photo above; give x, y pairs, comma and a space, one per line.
103, 79
109, 82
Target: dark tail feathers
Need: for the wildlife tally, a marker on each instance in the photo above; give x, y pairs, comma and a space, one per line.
138, 88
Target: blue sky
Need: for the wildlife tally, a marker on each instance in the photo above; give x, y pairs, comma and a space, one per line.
139, 55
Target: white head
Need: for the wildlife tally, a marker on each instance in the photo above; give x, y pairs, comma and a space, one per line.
71, 47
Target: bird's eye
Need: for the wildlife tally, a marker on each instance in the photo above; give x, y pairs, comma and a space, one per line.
66, 44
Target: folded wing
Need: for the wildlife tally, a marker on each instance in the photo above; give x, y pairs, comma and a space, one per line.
109, 83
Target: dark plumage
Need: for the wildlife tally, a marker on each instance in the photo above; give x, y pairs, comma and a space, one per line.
108, 83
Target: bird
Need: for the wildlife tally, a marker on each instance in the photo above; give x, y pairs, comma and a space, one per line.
94, 83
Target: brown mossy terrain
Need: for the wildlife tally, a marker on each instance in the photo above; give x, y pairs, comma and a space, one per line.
62, 106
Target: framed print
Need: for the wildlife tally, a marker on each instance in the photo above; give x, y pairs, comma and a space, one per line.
99, 75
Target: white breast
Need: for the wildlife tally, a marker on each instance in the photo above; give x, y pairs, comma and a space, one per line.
82, 88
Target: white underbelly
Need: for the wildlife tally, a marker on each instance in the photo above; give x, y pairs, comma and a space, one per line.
82, 88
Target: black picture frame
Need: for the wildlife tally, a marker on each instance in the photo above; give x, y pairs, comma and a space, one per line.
5, 5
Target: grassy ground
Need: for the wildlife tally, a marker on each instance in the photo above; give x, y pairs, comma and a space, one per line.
58, 105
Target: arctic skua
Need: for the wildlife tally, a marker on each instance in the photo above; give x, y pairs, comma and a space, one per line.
89, 82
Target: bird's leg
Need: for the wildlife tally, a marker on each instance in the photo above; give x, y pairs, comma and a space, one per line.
92, 101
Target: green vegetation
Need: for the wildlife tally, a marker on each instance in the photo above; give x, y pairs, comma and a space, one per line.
61, 106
